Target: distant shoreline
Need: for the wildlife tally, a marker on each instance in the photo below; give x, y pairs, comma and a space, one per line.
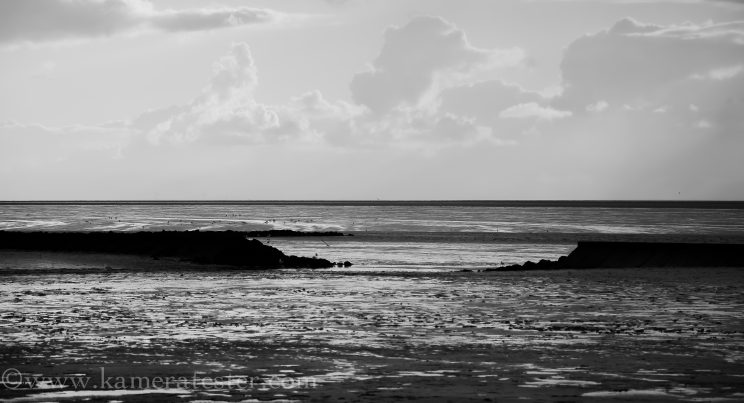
667, 204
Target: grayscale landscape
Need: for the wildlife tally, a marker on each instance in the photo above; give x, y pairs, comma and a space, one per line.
371, 201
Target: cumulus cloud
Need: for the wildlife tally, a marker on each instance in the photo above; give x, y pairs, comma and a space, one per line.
655, 109
393, 115
533, 110
226, 109
417, 92
227, 112
661, 70
632, 62
45, 20
414, 56
415, 59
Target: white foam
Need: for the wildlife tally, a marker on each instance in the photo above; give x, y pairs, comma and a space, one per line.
557, 381
81, 394
630, 393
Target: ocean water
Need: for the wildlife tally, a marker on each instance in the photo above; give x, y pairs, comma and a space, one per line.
397, 236
382, 217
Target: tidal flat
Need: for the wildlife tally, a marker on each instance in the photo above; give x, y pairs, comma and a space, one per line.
642, 334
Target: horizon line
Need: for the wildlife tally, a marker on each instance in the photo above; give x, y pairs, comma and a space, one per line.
630, 203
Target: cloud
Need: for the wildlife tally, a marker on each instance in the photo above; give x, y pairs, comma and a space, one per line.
415, 56
604, 136
322, 119
484, 100
227, 112
533, 110
597, 107
646, 67
424, 114
47, 20
233, 75
417, 94
670, 98
206, 19
723, 73
632, 63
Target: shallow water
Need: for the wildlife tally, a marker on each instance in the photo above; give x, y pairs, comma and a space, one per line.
376, 218
407, 256
388, 237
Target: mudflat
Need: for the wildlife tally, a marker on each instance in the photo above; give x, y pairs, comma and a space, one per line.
667, 334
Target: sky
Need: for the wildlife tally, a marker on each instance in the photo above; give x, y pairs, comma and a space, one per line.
371, 99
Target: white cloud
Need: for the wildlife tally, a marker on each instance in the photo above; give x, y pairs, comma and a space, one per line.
723, 73
233, 75
533, 110
47, 20
206, 19
225, 112
633, 63
597, 107
415, 56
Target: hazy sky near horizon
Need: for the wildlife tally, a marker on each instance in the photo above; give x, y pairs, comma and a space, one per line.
388, 99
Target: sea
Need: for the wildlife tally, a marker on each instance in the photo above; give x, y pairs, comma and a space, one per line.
405, 322
404, 235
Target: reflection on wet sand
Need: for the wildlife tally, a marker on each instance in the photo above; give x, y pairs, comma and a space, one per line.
673, 334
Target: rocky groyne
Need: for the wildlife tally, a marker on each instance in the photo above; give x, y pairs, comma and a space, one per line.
206, 247
599, 255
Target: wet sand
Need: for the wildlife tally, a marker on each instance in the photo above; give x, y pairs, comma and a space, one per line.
671, 334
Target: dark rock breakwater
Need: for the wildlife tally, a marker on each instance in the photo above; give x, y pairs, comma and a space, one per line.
208, 247
588, 255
